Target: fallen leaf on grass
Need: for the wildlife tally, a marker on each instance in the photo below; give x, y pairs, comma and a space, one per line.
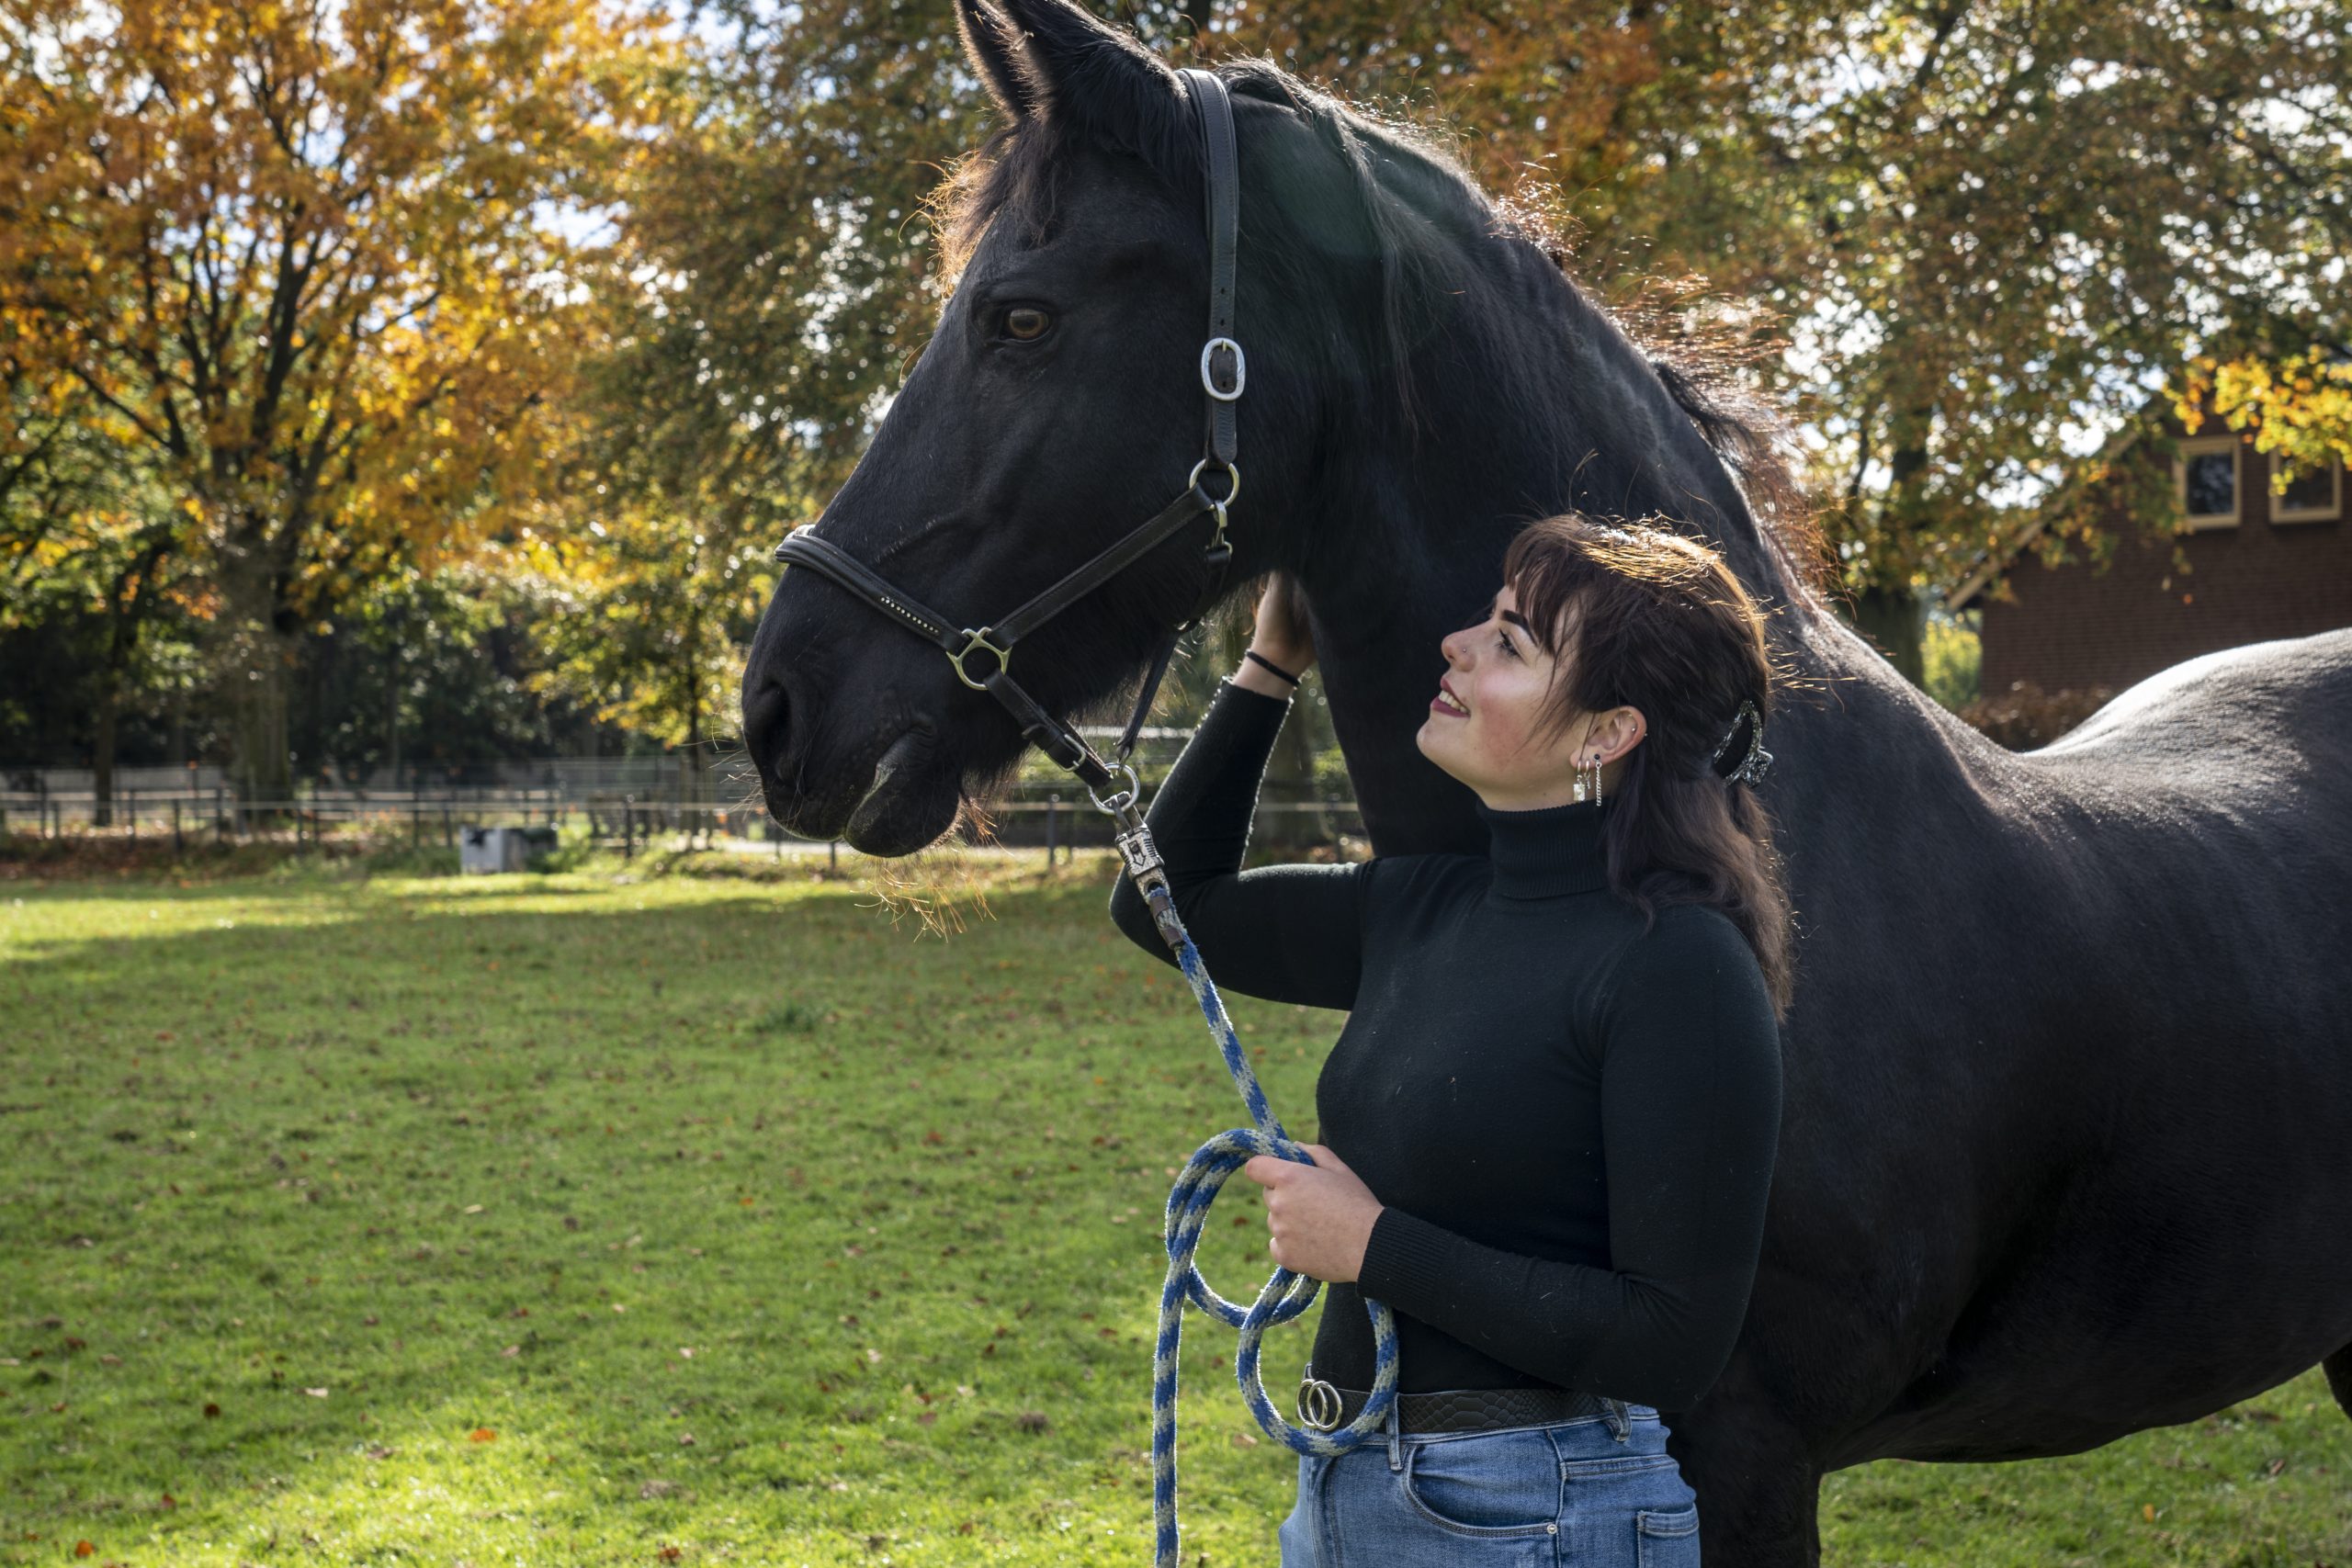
482, 1434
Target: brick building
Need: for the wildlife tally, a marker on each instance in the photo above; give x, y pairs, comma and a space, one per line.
2262, 566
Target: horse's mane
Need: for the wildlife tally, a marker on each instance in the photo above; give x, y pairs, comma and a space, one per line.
1417, 214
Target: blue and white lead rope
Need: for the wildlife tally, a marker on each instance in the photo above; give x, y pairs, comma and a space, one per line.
1285, 1294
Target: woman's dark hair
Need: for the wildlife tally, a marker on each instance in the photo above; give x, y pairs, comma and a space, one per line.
1656, 621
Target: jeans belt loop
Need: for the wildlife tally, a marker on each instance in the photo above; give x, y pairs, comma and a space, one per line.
1395, 1439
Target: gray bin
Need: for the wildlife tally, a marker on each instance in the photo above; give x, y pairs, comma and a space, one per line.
502, 849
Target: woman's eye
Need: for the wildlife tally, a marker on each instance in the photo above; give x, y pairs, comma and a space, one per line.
1504, 638
1026, 323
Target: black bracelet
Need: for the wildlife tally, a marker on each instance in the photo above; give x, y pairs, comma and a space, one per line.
1253, 653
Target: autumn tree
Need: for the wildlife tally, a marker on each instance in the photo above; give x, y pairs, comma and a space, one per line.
2299, 405
84, 530
306, 255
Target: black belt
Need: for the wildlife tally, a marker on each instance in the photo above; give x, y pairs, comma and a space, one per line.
1325, 1407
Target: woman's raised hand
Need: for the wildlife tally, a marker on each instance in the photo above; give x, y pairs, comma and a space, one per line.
1282, 634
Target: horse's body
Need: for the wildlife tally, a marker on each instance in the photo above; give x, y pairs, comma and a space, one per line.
2067, 1139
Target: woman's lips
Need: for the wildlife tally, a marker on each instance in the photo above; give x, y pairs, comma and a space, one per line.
1437, 705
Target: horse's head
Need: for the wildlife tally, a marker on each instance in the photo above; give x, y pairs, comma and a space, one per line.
1058, 406
1422, 381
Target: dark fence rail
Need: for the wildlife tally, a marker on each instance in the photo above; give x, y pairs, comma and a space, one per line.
627, 801
1060, 820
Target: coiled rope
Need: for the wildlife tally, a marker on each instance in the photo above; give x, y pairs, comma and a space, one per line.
1285, 1293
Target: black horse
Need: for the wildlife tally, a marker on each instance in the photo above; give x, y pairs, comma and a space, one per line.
2068, 1139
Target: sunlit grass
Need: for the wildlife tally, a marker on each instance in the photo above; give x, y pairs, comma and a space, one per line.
570, 1219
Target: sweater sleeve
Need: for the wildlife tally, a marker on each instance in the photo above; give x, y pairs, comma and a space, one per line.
1691, 1115
1290, 932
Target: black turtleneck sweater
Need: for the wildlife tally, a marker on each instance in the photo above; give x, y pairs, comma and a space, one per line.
1571, 1122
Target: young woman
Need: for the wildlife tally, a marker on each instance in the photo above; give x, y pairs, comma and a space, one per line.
1553, 1111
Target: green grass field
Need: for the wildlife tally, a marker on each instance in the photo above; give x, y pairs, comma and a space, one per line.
575, 1219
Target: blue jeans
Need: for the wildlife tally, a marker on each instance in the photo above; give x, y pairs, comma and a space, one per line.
1574, 1496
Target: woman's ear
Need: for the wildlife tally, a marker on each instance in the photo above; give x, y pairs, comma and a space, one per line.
1619, 731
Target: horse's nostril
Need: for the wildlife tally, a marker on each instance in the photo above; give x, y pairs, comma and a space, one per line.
767, 728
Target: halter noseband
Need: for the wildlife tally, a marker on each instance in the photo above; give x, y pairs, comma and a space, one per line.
1224, 373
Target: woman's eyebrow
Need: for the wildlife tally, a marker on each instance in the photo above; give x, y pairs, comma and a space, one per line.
1514, 616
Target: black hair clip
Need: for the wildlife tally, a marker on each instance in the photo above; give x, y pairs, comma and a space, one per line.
1751, 767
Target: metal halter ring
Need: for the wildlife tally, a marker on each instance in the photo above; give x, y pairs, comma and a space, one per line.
979, 640
1231, 473
1241, 371
1319, 1405
1121, 799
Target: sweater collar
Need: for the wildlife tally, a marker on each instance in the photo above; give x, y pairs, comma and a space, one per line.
1546, 852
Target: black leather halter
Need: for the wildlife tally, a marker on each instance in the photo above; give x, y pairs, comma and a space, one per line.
1224, 373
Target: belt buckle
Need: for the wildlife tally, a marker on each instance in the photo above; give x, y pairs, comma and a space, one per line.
1320, 1405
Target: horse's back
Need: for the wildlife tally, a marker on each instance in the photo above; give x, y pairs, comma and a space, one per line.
2294, 692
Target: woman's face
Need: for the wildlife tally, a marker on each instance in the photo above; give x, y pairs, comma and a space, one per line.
1497, 671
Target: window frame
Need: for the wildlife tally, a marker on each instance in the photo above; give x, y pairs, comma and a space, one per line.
2331, 512
2202, 445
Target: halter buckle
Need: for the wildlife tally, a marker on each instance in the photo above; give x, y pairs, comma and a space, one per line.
978, 639
1240, 369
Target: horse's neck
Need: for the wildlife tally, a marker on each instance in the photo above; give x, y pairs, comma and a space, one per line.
1409, 547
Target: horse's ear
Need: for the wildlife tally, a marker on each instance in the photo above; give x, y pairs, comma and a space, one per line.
1083, 71
993, 44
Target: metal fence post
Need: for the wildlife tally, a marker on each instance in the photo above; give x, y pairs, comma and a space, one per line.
179, 844
1053, 827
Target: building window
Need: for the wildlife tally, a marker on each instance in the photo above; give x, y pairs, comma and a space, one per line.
2316, 495
2207, 476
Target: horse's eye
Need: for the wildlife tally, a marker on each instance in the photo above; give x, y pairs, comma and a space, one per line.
1026, 323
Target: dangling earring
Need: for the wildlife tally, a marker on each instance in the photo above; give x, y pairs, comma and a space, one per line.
1588, 779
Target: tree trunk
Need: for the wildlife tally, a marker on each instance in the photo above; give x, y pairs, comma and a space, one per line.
261, 639
265, 771
102, 750
1893, 616
126, 609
